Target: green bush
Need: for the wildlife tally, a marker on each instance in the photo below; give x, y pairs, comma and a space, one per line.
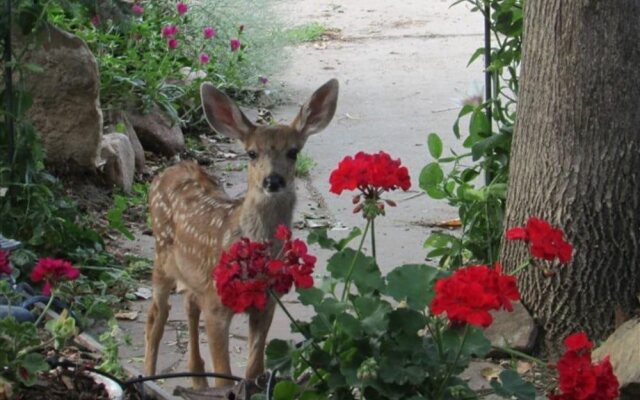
143, 64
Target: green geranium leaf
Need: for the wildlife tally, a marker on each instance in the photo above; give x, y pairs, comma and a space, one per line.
311, 296
413, 283
511, 384
435, 145
278, 354
285, 390
365, 273
29, 367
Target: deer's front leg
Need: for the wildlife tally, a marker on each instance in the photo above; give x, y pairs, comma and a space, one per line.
217, 319
259, 324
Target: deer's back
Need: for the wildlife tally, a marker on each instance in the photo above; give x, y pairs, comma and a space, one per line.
193, 220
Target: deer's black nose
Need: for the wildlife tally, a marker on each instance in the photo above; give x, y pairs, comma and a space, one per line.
273, 183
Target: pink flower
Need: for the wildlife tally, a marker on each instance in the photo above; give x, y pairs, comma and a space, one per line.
182, 8
5, 267
137, 9
204, 58
234, 44
263, 80
209, 32
51, 271
169, 31
172, 43
95, 20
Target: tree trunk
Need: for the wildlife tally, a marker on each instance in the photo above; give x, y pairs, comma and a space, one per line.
576, 161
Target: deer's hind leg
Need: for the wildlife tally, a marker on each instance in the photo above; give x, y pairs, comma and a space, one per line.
196, 364
156, 318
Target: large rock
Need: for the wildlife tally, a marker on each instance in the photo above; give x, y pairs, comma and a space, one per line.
157, 133
516, 330
113, 121
623, 349
66, 103
118, 160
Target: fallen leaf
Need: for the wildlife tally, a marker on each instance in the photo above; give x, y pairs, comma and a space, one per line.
523, 367
490, 373
127, 315
143, 293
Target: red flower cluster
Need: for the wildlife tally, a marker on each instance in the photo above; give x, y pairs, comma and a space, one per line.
579, 378
51, 270
545, 241
5, 267
469, 294
246, 271
370, 173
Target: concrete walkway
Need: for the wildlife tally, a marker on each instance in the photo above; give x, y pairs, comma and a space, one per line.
401, 67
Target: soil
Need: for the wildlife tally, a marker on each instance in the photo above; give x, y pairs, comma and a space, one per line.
64, 384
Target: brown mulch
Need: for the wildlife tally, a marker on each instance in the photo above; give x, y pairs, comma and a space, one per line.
64, 384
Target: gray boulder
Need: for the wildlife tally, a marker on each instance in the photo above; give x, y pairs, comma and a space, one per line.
623, 349
66, 104
516, 330
157, 133
118, 160
112, 120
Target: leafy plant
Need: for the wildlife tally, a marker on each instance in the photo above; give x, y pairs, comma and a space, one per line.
306, 33
476, 183
304, 164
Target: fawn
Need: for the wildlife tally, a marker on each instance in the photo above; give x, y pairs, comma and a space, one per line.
194, 221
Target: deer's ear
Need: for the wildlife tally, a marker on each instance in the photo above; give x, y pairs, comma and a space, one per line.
316, 113
224, 116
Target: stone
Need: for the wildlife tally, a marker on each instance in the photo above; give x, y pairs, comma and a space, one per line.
516, 330
118, 160
158, 133
190, 75
66, 98
112, 120
623, 349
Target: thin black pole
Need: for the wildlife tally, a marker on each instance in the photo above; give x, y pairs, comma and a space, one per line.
487, 74
8, 116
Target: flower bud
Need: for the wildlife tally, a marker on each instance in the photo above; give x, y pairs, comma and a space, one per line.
357, 208
368, 370
391, 203
356, 199
547, 273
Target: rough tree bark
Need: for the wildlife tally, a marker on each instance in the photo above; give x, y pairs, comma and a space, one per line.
576, 161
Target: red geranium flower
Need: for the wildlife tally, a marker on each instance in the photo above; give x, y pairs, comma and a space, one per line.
5, 266
545, 241
371, 174
51, 270
471, 292
579, 378
246, 271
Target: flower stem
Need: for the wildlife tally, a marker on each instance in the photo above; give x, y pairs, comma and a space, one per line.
520, 354
521, 267
46, 308
373, 239
450, 367
347, 280
295, 323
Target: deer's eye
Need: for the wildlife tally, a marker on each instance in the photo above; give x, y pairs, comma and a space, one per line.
252, 154
292, 154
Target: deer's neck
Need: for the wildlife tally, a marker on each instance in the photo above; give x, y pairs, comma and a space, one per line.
260, 214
